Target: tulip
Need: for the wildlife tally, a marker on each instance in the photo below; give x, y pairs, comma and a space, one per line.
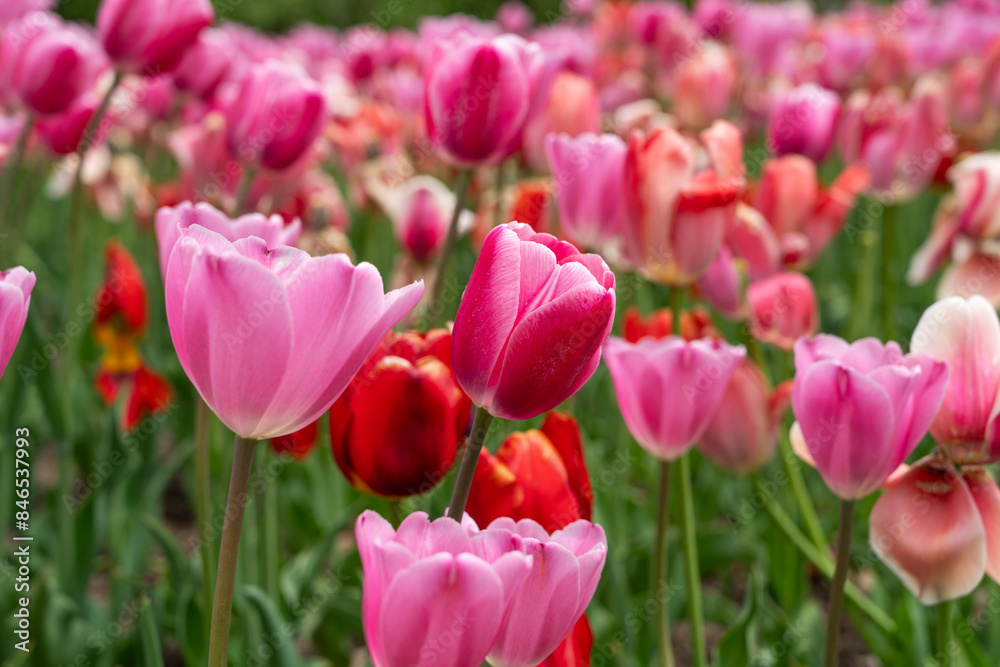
172, 221
15, 297
514, 16
764, 32
258, 335
204, 65
538, 474
151, 35
573, 107
429, 580
121, 311
803, 122
147, 393
783, 309
695, 323
408, 376
589, 172
965, 335
298, 445
575, 649
276, 115
703, 85
743, 433
652, 378
531, 323
61, 133
565, 570
13, 10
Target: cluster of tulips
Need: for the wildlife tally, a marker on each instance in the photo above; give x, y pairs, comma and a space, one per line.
607, 142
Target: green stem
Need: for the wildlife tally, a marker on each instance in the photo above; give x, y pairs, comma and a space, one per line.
243, 194
864, 289
461, 190
944, 612
757, 354
676, 309
691, 564
888, 272
202, 473
802, 498
660, 566
11, 167
836, 606
498, 208
272, 539
222, 607
467, 469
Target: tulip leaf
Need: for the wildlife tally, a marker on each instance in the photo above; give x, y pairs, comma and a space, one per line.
734, 647
276, 629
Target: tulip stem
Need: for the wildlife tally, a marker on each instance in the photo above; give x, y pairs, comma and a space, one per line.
888, 274
864, 290
802, 498
243, 193
497, 208
461, 189
691, 564
202, 424
7, 177
470, 458
836, 606
660, 566
944, 632
218, 645
272, 541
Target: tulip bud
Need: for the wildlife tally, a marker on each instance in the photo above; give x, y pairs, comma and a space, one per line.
151, 35
803, 120
783, 309
15, 297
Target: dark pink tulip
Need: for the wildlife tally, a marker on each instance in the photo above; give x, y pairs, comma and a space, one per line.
531, 323
783, 309
151, 35
862, 408
803, 121
565, 570
205, 64
277, 114
432, 580
364, 51
271, 337
15, 297
965, 334
62, 133
669, 389
477, 94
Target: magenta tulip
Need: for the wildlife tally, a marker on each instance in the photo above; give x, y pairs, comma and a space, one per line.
12, 10
205, 64
276, 115
15, 297
862, 408
565, 570
435, 593
271, 337
783, 309
531, 323
803, 122
965, 334
151, 35
669, 389
171, 221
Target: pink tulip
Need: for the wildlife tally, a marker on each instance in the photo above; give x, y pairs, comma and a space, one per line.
849, 46
589, 172
277, 114
514, 16
669, 389
754, 242
61, 133
271, 337
172, 221
862, 408
722, 285
803, 121
531, 323
151, 35
15, 297
965, 334
764, 32
435, 593
703, 86
783, 309
48, 65
565, 570
12, 10
573, 107
205, 64
477, 93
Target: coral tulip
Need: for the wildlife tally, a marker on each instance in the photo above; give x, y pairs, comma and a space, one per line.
783, 309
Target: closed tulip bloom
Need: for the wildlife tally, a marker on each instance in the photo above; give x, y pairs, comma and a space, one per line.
477, 97
669, 389
703, 85
531, 323
276, 115
15, 297
573, 107
151, 35
429, 580
271, 337
172, 221
803, 121
566, 567
862, 408
965, 334
783, 309
589, 172
205, 64
300, 444
575, 649
61, 133
409, 377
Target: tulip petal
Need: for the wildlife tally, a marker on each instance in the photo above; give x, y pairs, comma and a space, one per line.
987, 498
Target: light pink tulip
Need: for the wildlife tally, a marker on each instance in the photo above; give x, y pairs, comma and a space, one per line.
722, 285
565, 570
803, 120
171, 221
276, 115
573, 107
435, 593
965, 334
849, 45
703, 86
783, 309
271, 337
765, 32
589, 172
862, 408
12, 10
531, 323
514, 16
15, 297
151, 35
669, 389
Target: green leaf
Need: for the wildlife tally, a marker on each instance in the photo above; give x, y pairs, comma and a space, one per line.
734, 647
279, 635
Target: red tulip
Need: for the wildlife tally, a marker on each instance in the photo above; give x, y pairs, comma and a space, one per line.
575, 649
695, 323
298, 445
150, 394
120, 307
396, 429
151, 35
